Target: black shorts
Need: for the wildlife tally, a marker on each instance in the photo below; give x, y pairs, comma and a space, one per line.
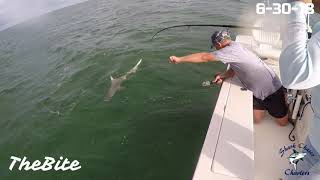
275, 104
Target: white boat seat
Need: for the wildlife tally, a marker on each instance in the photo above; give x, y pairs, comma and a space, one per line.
262, 49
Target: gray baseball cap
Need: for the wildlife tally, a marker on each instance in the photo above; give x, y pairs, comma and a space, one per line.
218, 36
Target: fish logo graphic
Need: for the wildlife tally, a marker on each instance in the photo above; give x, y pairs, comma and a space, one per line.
295, 157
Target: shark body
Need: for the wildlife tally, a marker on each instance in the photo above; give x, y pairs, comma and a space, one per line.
116, 82
295, 157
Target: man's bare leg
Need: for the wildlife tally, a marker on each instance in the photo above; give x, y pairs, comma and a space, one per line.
258, 115
282, 121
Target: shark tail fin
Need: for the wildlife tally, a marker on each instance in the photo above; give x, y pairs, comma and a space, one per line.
139, 62
136, 66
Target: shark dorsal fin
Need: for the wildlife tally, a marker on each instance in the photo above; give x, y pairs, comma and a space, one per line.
294, 151
111, 78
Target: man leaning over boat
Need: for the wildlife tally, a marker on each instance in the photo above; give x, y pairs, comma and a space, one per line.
255, 75
300, 69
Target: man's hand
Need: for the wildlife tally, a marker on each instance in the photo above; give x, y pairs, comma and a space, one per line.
174, 59
315, 2
193, 58
306, 1
219, 78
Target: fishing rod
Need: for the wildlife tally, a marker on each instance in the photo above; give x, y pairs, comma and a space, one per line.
207, 25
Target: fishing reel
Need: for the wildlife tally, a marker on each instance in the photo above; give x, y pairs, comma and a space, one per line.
207, 83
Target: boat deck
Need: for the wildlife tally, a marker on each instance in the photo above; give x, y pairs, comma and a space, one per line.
235, 148
268, 139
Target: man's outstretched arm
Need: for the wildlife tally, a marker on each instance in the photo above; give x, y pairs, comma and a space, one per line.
193, 58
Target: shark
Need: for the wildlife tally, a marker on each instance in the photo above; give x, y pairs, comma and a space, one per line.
295, 157
116, 82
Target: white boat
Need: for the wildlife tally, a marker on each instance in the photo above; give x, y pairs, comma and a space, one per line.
237, 149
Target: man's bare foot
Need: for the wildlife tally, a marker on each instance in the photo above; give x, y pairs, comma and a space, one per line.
258, 116
283, 121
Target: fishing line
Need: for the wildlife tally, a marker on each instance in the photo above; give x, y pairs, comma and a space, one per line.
206, 25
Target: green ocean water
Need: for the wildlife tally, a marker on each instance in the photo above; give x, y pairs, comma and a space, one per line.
54, 75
